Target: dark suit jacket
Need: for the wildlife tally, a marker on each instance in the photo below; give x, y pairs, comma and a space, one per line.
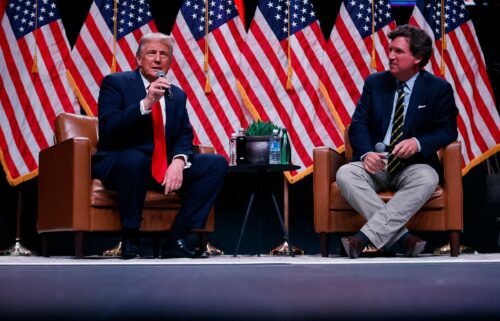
121, 125
431, 116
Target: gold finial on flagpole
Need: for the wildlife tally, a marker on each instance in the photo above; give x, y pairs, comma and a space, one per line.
289, 69
34, 67
373, 61
208, 88
115, 30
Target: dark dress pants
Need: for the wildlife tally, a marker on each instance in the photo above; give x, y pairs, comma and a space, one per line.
131, 178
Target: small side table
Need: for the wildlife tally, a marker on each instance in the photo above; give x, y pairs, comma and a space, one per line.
262, 170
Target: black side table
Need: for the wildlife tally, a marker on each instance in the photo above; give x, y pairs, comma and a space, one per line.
262, 170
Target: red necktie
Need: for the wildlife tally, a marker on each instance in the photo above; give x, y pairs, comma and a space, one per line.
159, 164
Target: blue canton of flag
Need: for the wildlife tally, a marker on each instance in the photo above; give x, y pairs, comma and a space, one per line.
276, 14
361, 14
132, 14
219, 12
22, 15
455, 14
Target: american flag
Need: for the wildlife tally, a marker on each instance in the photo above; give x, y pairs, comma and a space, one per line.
34, 55
353, 52
217, 112
3, 4
95, 49
459, 59
271, 59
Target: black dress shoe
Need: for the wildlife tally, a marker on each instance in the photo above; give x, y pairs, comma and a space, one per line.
353, 246
413, 246
181, 248
202, 254
130, 248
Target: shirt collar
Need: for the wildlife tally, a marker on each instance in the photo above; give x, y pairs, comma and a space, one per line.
409, 83
144, 80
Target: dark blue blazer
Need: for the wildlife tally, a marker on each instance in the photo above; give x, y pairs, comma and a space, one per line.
121, 125
431, 116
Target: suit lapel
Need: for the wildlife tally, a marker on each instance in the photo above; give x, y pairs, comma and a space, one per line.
388, 104
416, 95
137, 85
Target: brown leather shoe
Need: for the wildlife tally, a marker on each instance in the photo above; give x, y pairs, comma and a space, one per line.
353, 246
414, 246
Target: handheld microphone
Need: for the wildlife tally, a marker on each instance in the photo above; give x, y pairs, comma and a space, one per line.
381, 148
168, 92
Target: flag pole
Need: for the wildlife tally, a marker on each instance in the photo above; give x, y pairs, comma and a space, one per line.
115, 29
289, 70
373, 62
34, 67
208, 88
18, 249
443, 37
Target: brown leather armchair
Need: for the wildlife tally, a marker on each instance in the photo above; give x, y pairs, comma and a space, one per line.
442, 212
70, 201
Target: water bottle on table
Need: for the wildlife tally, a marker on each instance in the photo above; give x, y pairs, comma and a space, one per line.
241, 147
232, 150
275, 148
285, 148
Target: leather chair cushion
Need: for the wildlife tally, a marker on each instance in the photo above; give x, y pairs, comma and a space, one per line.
338, 202
102, 197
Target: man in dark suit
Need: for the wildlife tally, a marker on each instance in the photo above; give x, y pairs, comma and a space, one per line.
413, 114
123, 160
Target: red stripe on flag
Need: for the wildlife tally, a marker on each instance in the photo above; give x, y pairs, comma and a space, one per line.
311, 92
18, 136
22, 95
271, 90
200, 76
466, 100
12, 168
100, 43
476, 51
191, 93
469, 73
57, 84
197, 108
352, 48
349, 84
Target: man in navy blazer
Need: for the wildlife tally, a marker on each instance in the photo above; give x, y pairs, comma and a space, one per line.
124, 151
429, 113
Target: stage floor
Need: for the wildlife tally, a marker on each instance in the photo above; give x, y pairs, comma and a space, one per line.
251, 259
251, 288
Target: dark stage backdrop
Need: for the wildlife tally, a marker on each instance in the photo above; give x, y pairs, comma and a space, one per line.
480, 230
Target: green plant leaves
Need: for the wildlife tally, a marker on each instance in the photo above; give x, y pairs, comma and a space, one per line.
260, 128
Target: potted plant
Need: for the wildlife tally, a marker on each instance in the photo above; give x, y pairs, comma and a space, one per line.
258, 135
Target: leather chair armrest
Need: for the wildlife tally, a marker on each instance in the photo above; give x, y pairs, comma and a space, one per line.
452, 167
326, 164
64, 186
201, 149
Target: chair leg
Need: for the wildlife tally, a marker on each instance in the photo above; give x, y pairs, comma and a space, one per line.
45, 245
324, 241
454, 243
79, 245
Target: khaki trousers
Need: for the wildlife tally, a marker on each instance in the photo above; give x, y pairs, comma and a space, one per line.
386, 222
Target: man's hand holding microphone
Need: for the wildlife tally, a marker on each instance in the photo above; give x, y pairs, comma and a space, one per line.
156, 90
374, 161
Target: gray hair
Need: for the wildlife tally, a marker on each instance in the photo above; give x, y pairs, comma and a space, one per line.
157, 36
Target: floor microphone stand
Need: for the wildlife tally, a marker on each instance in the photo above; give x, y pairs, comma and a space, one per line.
18, 249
